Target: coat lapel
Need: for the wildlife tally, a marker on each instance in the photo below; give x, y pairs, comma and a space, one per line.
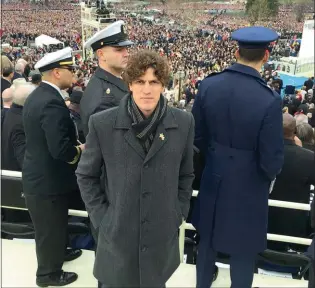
134, 143
123, 122
160, 139
162, 134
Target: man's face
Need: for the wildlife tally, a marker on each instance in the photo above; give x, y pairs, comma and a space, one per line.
65, 76
146, 91
115, 57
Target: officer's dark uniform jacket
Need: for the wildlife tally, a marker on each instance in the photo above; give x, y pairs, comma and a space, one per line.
50, 156
239, 129
103, 91
13, 139
313, 215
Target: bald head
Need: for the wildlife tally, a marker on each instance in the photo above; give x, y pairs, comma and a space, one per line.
21, 92
19, 67
289, 126
7, 95
22, 61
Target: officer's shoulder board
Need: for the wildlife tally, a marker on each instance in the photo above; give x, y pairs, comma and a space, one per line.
261, 81
264, 84
211, 75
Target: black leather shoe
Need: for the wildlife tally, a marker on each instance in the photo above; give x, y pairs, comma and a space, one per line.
62, 279
72, 254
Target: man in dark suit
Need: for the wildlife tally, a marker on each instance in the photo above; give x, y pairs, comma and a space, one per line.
7, 97
74, 107
146, 149
13, 145
19, 70
6, 79
51, 156
239, 130
309, 84
106, 87
292, 185
311, 283
313, 217
13, 136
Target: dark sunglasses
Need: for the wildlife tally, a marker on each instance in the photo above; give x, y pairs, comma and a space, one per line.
71, 69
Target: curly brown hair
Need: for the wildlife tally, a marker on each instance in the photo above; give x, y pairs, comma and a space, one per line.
141, 61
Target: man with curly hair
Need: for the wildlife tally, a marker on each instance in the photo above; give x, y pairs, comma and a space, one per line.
146, 149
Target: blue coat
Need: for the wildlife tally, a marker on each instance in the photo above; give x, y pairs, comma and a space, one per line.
239, 129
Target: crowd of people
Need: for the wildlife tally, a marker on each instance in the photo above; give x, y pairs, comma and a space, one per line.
195, 45
22, 22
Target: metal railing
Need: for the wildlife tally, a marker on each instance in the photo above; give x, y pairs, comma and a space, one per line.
187, 226
272, 237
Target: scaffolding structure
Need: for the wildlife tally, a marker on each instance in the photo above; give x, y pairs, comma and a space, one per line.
93, 20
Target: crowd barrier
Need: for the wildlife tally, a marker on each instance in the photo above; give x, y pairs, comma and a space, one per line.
187, 226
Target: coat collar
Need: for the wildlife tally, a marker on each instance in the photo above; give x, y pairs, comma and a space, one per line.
123, 122
240, 68
51, 89
16, 109
119, 83
6, 80
289, 142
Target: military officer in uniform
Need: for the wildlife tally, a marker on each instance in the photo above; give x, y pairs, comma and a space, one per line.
49, 167
106, 87
239, 130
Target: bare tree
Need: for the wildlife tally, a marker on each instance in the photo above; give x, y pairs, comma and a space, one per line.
258, 11
301, 7
287, 3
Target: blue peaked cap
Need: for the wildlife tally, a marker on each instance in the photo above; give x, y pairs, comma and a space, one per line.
254, 37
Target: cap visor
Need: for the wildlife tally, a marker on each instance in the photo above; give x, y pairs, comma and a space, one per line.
74, 66
124, 44
254, 45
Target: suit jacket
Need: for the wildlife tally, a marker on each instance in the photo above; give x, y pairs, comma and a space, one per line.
308, 84
103, 91
17, 76
292, 185
3, 114
309, 147
13, 139
239, 130
313, 215
50, 155
145, 199
4, 84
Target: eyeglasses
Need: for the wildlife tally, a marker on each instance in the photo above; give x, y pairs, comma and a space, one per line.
71, 69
